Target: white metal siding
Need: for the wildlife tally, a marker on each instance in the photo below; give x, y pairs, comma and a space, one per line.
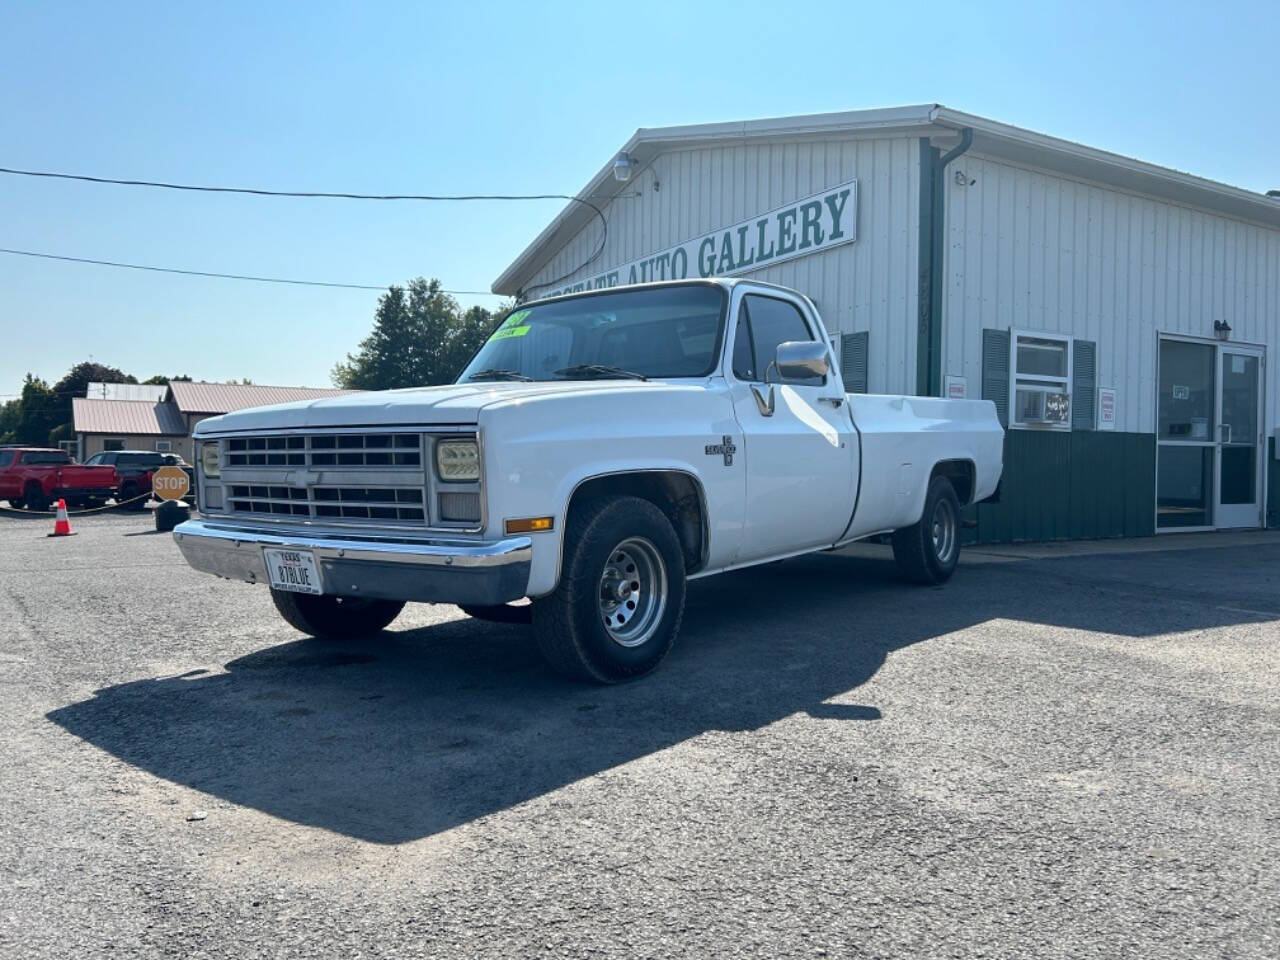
1035, 251
868, 285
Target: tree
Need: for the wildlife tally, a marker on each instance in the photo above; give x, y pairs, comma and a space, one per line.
160, 380
32, 416
420, 337
77, 380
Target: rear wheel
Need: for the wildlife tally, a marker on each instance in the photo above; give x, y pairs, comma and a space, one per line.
130, 490
615, 614
17, 504
35, 498
335, 618
927, 552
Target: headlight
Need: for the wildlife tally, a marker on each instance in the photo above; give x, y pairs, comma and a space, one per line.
210, 460
458, 461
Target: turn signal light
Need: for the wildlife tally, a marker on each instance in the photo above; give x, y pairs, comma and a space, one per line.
529, 525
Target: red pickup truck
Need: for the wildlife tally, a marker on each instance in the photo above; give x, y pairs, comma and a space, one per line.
33, 477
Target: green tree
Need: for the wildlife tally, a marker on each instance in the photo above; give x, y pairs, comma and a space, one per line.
74, 384
32, 416
420, 337
160, 380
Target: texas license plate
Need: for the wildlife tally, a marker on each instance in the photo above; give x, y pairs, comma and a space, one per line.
293, 570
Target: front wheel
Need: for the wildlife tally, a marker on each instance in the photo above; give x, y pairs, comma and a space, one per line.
335, 618
615, 614
927, 552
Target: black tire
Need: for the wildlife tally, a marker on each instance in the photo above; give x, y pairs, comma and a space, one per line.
927, 552
35, 499
18, 504
335, 618
501, 613
569, 624
128, 491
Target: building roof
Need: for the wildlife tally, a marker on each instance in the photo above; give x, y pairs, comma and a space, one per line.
199, 397
126, 417
126, 391
941, 124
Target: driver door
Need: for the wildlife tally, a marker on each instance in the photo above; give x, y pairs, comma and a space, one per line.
802, 459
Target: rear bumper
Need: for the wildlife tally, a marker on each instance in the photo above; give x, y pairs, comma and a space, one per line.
422, 569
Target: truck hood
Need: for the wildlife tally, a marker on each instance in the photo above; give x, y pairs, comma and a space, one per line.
455, 404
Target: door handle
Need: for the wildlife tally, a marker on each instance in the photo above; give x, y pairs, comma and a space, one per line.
834, 401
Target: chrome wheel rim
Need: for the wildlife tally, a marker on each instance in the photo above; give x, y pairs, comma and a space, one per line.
633, 592
943, 531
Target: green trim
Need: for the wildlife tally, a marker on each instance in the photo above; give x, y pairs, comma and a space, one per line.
1272, 485
924, 289
933, 224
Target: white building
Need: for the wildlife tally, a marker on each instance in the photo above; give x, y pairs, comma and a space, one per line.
1086, 293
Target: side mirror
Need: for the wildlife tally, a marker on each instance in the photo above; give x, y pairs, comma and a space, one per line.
801, 359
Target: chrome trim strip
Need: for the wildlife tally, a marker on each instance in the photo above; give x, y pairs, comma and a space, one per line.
428, 551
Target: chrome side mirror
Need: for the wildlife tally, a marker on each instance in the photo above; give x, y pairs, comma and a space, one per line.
794, 360
801, 359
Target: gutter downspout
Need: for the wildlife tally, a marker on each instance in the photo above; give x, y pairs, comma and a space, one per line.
932, 255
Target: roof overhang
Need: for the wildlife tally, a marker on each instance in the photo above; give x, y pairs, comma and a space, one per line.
940, 124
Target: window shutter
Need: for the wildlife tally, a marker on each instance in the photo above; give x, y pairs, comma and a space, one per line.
995, 371
853, 361
1084, 384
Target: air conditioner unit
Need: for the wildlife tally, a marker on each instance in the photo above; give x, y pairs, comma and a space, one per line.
1036, 405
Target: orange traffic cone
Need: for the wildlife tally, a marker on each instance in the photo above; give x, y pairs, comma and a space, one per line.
62, 525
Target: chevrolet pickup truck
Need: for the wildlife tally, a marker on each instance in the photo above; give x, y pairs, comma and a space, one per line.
600, 450
33, 477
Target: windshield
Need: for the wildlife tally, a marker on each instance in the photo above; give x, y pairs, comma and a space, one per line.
642, 333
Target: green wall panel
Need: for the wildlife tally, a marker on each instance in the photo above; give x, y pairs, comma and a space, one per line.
1066, 486
1273, 485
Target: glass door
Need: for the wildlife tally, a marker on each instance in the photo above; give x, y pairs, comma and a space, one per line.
1239, 436
1185, 439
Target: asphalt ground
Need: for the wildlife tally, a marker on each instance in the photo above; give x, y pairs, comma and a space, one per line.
1071, 756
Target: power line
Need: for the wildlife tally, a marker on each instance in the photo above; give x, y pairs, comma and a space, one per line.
336, 195
219, 276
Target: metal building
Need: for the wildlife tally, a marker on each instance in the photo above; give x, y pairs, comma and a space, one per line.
1119, 314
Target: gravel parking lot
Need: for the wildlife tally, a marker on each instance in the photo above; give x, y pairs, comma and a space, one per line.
1055, 756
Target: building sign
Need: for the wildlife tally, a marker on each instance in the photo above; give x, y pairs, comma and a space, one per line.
1106, 409
824, 220
957, 388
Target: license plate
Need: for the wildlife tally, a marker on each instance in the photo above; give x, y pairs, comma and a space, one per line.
293, 570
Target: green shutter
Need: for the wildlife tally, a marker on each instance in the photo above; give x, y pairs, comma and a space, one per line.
853, 361
995, 371
1084, 384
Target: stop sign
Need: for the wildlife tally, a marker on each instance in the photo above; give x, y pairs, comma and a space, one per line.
170, 483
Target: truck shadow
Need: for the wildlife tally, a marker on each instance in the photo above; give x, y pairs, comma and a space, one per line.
413, 732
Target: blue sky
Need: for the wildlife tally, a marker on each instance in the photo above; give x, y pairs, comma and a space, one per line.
501, 97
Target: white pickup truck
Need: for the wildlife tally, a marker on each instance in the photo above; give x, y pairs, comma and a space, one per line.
599, 451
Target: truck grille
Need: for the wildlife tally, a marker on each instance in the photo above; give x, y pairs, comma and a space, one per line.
327, 450
341, 478
347, 503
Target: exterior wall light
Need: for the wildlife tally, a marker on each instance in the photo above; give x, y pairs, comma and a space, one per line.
1222, 329
623, 167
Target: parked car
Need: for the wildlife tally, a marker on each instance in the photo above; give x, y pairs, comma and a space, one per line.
33, 477
599, 450
135, 468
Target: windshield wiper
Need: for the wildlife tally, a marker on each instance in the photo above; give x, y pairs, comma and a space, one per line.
495, 374
598, 371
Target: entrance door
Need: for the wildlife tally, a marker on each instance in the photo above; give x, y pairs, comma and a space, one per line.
1239, 487
1209, 425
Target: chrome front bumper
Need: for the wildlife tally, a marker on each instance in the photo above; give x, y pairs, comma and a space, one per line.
423, 569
